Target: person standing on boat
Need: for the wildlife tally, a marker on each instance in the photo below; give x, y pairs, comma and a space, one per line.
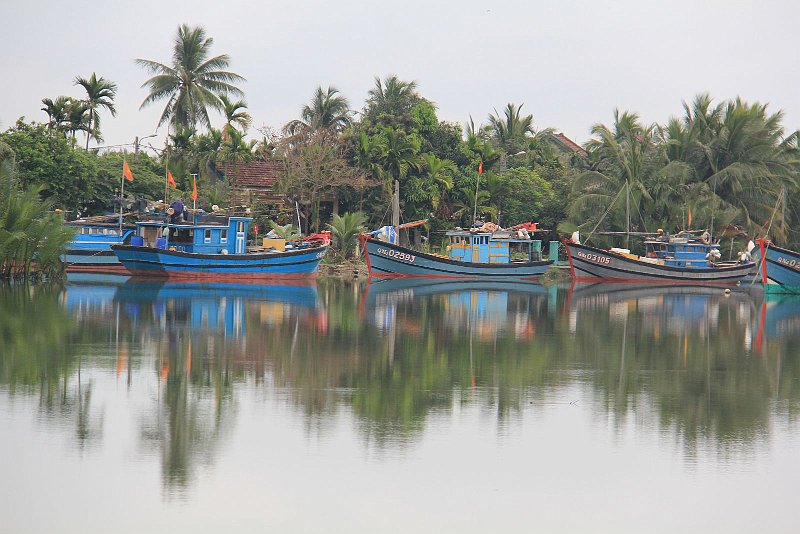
178, 211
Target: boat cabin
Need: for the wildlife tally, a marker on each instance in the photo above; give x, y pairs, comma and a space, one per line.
492, 247
208, 234
676, 251
99, 235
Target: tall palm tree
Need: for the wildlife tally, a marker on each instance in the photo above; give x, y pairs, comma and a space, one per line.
100, 93
192, 83
235, 114
328, 110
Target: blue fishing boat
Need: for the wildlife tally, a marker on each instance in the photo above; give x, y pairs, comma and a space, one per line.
476, 254
780, 268
681, 258
213, 247
90, 251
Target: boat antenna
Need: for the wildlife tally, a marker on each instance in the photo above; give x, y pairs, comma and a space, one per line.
628, 214
477, 183
713, 210
396, 204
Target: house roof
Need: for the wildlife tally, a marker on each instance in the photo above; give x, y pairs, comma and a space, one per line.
568, 143
257, 174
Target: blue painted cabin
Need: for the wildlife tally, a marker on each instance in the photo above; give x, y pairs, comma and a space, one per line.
491, 247
683, 252
209, 234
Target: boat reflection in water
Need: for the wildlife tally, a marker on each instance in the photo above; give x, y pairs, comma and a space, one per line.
485, 307
213, 307
779, 320
666, 310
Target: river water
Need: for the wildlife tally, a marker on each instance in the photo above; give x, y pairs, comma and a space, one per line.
397, 406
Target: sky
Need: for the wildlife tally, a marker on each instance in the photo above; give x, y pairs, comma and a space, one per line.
569, 62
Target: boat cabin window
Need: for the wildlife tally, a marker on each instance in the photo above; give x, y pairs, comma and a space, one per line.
181, 235
207, 236
240, 226
223, 236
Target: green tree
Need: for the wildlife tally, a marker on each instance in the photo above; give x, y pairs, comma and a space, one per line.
328, 110
345, 230
390, 101
510, 132
629, 160
57, 112
77, 118
235, 114
100, 93
29, 229
192, 83
68, 177
737, 153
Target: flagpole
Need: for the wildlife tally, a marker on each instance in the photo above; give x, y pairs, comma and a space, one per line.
166, 171
121, 196
194, 191
477, 183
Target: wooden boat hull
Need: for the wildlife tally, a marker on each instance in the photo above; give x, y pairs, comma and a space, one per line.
781, 268
93, 261
593, 264
386, 260
174, 264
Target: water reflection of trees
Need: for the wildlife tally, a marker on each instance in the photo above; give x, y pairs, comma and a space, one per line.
710, 368
38, 357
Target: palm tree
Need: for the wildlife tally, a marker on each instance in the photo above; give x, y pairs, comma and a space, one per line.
100, 93
736, 153
29, 229
56, 112
510, 132
392, 96
78, 118
192, 83
345, 230
628, 159
207, 149
235, 113
328, 110
439, 174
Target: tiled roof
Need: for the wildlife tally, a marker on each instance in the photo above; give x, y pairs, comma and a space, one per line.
258, 174
569, 143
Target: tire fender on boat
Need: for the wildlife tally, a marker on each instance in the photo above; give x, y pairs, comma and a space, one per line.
705, 238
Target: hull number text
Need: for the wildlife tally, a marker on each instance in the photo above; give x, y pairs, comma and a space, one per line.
593, 257
397, 255
792, 264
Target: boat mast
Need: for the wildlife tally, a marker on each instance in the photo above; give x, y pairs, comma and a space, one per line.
628, 215
396, 204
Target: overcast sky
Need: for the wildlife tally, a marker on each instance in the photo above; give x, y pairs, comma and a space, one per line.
570, 62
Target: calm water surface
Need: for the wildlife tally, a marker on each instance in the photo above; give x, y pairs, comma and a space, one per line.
396, 407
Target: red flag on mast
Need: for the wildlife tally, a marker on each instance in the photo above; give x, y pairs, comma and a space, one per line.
194, 188
126, 171
480, 167
171, 180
